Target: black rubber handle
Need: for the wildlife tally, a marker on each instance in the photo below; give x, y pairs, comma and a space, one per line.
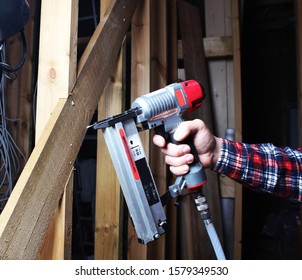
196, 176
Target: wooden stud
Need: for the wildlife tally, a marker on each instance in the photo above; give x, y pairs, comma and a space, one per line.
108, 194
158, 79
27, 215
58, 242
195, 68
57, 57
172, 62
215, 47
140, 85
217, 23
172, 55
56, 78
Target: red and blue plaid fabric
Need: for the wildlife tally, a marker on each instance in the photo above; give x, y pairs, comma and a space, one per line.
263, 167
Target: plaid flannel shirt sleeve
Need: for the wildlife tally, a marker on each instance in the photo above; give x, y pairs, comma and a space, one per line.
263, 167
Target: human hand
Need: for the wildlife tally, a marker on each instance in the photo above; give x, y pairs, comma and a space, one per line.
179, 157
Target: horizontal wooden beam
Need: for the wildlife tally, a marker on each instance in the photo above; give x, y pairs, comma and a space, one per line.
214, 47
27, 215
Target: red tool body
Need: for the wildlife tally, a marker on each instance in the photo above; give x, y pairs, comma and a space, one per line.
164, 109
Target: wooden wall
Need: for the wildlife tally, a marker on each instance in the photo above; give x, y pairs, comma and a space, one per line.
152, 65
31, 207
156, 46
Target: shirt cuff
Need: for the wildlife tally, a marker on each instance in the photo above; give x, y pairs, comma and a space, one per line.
223, 158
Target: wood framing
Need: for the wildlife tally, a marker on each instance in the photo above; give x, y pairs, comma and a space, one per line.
56, 77
140, 85
215, 47
158, 79
108, 193
69, 93
28, 213
225, 81
172, 63
57, 57
196, 68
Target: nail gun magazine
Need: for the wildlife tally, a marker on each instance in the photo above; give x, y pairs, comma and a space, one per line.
162, 110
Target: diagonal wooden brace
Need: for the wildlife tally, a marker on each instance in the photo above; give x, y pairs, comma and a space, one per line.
26, 217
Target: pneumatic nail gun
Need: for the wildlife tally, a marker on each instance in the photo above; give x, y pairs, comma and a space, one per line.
162, 110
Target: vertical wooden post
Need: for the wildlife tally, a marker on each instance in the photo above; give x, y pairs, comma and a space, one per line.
56, 78
172, 42
27, 215
57, 56
107, 216
226, 88
195, 68
158, 79
172, 63
140, 85
218, 24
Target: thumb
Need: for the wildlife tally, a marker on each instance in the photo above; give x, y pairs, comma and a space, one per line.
186, 128
182, 131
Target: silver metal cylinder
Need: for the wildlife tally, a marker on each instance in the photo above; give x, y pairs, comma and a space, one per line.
156, 103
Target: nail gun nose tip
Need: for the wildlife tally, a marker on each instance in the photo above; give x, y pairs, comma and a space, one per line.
156, 236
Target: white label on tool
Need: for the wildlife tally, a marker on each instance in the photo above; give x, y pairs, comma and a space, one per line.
136, 147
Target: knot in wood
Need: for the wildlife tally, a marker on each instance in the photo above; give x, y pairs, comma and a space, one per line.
52, 74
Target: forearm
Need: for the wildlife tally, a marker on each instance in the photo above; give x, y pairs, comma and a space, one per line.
263, 167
